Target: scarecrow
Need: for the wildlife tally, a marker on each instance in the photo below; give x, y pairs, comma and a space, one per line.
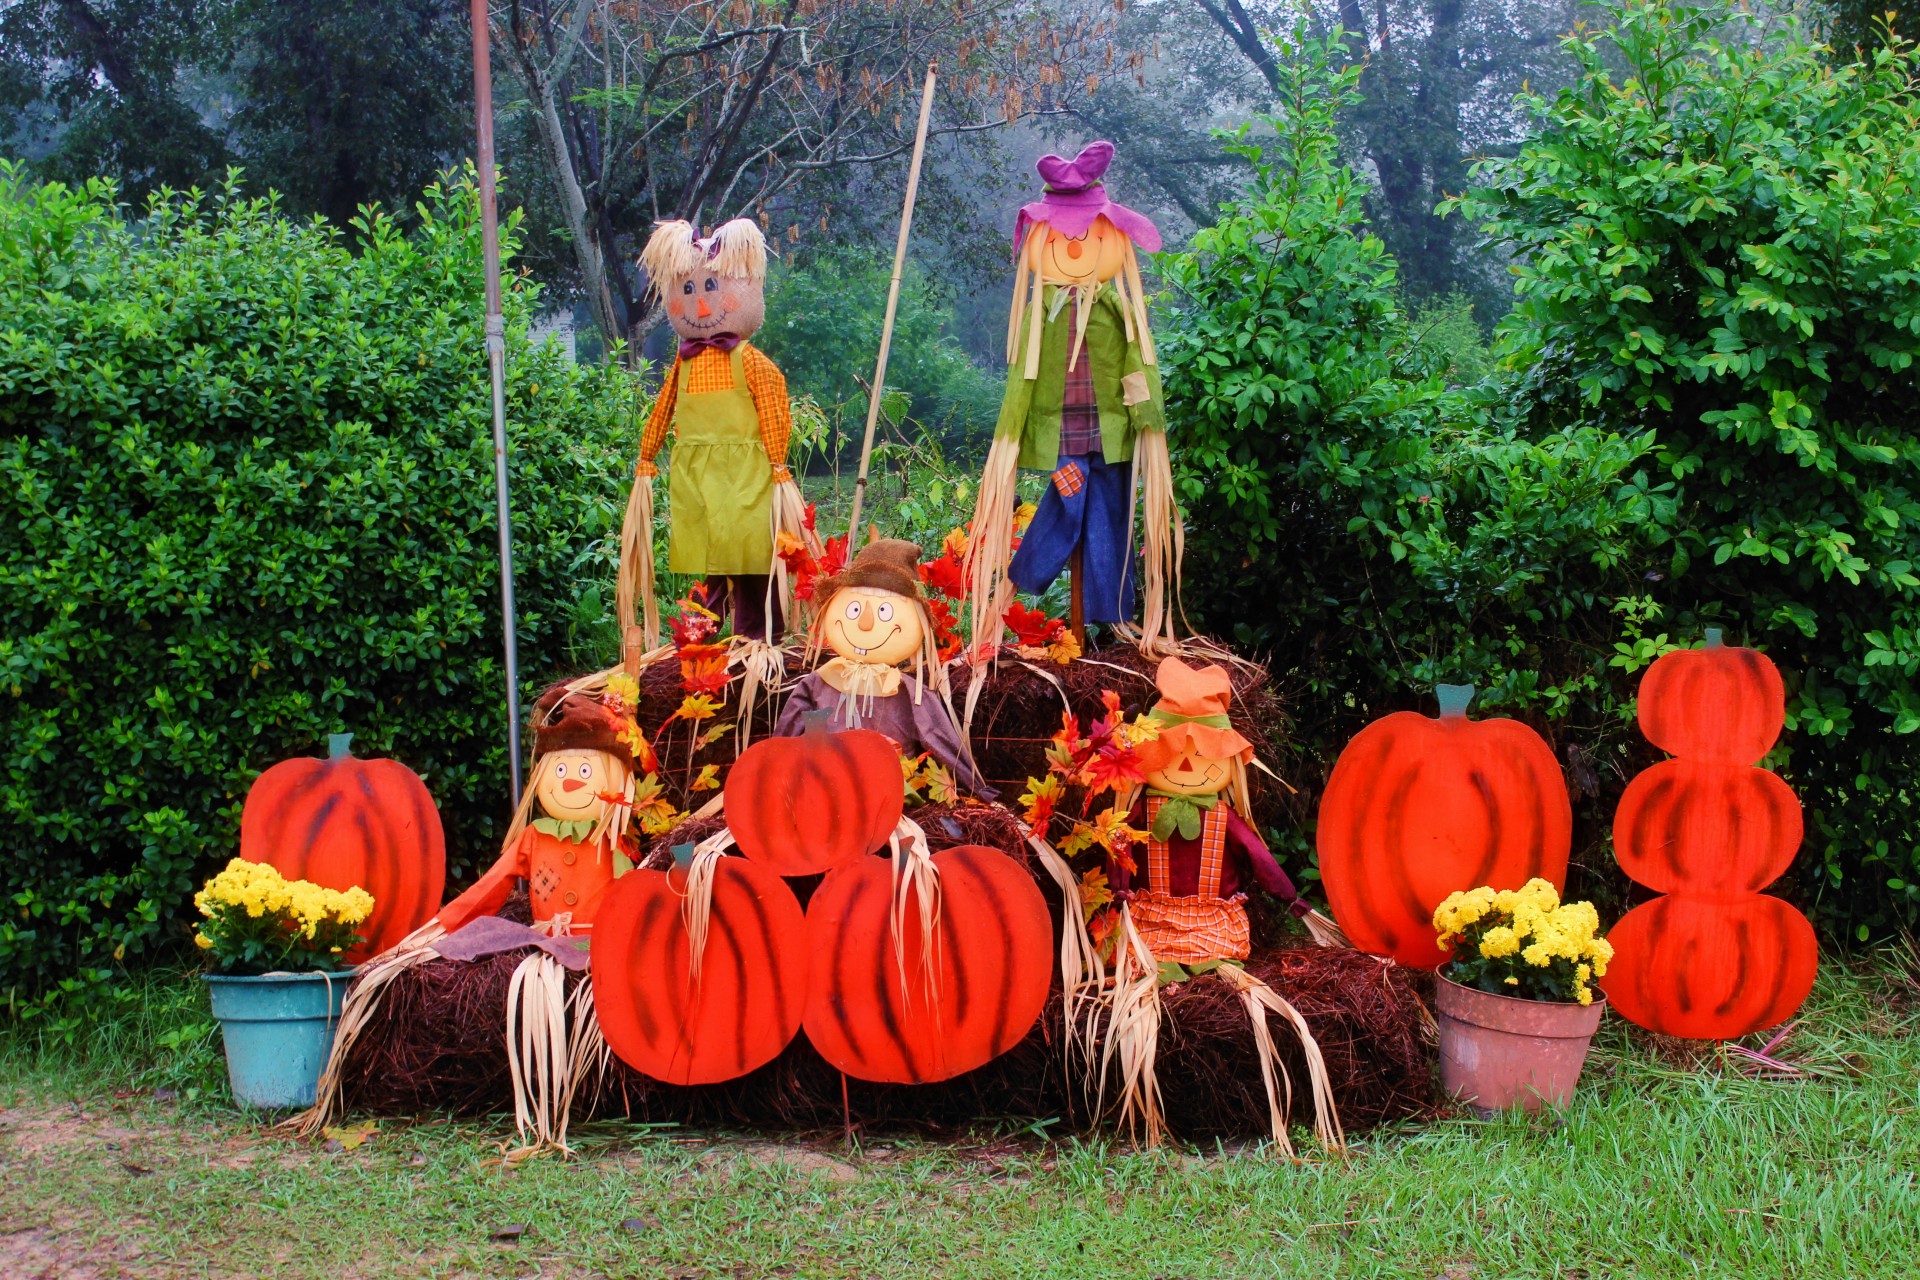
583, 785
1201, 854
1082, 402
1182, 914
874, 619
726, 405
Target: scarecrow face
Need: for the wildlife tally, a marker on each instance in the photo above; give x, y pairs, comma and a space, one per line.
1191, 774
866, 624
1060, 259
568, 784
705, 305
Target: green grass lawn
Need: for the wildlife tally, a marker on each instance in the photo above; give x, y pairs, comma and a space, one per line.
120, 1156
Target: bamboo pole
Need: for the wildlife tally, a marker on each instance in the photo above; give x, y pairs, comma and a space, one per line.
893, 304
497, 367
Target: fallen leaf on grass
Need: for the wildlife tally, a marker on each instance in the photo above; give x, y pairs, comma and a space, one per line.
349, 1137
634, 1226
511, 1233
137, 1170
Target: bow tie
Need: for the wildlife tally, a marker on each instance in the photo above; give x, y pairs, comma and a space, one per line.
691, 347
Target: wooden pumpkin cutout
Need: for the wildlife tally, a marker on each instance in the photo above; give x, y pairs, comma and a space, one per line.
1717, 704
871, 1011
1685, 826
742, 1008
807, 804
1417, 808
1714, 958
341, 822
1707, 969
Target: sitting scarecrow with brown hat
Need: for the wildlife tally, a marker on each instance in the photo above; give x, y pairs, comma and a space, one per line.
874, 618
583, 784
1202, 855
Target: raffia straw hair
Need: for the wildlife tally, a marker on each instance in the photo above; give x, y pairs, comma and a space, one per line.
1259, 999
671, 253
915, 876
696, 903
634, 584
738, 249
538, 1056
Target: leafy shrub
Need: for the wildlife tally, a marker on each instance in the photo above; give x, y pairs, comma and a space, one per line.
1370, 529
823, 327
1719, 247
246, 499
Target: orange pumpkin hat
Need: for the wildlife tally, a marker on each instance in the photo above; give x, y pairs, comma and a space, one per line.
579, 722
1192, 712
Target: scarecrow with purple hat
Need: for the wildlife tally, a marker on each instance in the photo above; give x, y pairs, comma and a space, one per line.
1082, 402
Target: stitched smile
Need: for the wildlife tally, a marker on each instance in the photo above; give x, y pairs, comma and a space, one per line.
856, 648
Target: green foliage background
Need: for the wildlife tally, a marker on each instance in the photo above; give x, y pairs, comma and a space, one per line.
1703, 414
246, 482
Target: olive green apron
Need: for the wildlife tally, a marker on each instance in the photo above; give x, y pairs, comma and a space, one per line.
721, 483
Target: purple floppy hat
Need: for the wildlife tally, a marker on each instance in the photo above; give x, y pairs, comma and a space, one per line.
1075, 197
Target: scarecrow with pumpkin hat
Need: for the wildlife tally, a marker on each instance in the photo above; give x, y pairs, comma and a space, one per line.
725, 404
1082, 402
873, 618
1187, 889
585, 749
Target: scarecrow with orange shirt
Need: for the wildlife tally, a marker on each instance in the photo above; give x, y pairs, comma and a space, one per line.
725, 404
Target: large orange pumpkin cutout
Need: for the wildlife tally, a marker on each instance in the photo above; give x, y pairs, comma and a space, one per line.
1711, 970
1417, 808
993, 963
745, 1005
807, 804
1714, 958
343, 821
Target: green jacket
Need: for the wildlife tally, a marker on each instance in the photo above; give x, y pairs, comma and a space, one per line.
1031, 409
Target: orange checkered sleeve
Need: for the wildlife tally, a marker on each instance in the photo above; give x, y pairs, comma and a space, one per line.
659, 421
769, 388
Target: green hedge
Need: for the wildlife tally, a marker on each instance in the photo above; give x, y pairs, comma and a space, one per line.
1706, 416
246, 499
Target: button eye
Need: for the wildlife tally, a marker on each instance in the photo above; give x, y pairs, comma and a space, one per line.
687, 288
712, 284
560, 770
586, 770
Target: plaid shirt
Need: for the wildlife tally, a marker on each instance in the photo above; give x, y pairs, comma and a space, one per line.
1079, 409
711, 370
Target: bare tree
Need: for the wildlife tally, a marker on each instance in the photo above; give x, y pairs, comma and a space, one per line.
650, 109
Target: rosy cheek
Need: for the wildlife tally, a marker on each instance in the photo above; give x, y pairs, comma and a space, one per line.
674, 308
729, 301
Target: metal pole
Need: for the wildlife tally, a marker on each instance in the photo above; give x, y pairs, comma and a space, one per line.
497, 366
893, 303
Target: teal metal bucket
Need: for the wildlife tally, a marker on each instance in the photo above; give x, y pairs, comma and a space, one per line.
278, 1030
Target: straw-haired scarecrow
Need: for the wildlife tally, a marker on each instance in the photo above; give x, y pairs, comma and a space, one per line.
1083, 402
873, 618
726, 405
582, 785
1182, 895
1187, 889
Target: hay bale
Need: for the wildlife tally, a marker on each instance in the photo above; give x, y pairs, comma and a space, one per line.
438, 1043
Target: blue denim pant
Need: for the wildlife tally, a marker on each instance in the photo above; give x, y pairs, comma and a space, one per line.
1094, 519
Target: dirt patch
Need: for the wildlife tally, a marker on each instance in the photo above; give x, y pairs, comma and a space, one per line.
32, 1131
807, 1162
57, 1252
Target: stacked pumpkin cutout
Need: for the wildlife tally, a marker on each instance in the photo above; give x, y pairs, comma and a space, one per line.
907, 968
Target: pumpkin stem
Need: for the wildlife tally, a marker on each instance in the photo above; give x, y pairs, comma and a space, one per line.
1454, 699
339, 746
1713, 638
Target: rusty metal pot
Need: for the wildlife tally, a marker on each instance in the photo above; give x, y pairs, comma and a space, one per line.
1498, 1052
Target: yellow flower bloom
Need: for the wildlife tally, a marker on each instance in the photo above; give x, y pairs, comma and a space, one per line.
1499, 941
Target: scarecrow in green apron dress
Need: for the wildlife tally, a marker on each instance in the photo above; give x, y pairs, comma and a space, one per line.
726, 404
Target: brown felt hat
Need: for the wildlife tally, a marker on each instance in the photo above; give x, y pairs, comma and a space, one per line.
578, 722
889, 564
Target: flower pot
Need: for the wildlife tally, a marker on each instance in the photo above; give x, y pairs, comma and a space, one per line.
278, 1030
1498, 1052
